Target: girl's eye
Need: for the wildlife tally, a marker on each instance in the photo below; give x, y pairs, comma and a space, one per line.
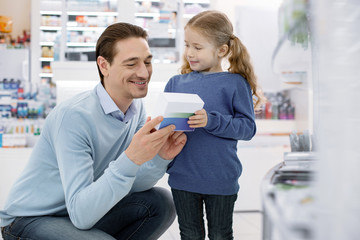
197, 48
148, 63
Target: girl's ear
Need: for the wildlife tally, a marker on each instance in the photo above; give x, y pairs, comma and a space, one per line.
103, 65
223, 50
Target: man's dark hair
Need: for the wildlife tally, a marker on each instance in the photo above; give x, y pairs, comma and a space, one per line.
106, 43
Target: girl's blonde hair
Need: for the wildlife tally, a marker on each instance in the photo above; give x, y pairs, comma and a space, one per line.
217, 27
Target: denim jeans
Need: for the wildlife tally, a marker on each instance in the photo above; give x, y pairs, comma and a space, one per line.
219, 215
142, 215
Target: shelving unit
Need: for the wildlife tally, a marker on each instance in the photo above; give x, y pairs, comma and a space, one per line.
164, 21
291, 59
50, 28
286, 190
67, 30
83, 28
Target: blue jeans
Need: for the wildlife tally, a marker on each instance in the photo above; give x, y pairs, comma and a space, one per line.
142, 215
219, 214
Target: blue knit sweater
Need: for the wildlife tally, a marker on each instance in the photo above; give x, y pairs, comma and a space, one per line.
78, 165
209, 164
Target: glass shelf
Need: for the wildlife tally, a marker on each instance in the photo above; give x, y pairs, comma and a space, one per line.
51, 13
50, 28
79, 13
80, 44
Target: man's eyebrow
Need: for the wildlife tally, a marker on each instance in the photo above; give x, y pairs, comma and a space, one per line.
136, 58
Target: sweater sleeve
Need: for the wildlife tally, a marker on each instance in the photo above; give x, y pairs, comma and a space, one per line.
87, 201
241, 124
149, 174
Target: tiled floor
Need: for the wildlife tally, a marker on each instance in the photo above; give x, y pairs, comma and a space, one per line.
247, 226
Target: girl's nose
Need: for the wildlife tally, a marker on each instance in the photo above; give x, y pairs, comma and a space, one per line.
189, 53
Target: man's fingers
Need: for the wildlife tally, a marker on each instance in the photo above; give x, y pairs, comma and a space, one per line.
164, 132
150, 124
179, 137
176, 134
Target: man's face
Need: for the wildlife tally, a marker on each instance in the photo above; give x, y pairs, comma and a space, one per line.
129, 74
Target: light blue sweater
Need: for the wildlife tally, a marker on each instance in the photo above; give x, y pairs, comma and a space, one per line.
78, 165
209, 163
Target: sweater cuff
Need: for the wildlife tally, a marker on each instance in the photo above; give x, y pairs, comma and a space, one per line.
124, 166
211, 122
160, 162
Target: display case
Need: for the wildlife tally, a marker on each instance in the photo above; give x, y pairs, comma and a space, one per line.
288, 198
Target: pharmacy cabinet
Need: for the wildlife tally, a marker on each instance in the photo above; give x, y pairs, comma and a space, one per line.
67, 30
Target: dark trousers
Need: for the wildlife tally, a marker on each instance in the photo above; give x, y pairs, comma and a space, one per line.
142, 215
219, 215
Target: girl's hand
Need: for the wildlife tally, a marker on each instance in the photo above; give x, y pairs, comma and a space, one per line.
198, 120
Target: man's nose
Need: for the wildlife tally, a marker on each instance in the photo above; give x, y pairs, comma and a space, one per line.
143, 71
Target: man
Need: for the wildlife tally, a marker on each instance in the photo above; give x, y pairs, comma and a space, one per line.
92, 172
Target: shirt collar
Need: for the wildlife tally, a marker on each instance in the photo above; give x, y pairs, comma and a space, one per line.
109, 106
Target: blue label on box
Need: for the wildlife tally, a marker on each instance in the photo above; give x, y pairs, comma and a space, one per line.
177, 119
180, 123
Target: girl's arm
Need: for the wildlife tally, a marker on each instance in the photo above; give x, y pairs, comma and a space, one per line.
241, 124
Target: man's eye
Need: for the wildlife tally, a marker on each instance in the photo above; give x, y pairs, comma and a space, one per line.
197, 48
130, 64
148, 63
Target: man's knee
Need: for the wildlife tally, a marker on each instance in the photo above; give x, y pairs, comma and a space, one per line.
165, 204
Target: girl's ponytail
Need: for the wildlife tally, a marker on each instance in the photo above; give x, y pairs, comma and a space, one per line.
240, 63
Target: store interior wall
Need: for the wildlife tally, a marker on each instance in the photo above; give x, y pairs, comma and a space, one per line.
19, 11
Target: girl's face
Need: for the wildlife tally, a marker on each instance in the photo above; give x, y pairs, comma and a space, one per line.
201, 54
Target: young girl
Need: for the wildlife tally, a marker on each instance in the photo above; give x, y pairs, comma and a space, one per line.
207, 170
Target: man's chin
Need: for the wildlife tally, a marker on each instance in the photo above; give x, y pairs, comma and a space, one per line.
141, 95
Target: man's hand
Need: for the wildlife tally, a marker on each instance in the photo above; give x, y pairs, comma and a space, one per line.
173, 145
198, 120
147, 142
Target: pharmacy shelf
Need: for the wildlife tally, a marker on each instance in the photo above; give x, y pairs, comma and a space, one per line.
50, 28
59, 13
80, 13
275, 127
289, 57
46, 59
49, 44
46, 75
80, 44
85, 29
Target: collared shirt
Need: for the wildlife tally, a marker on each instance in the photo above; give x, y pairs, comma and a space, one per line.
109, 106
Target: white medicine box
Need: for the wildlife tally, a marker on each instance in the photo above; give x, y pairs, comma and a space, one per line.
176, 108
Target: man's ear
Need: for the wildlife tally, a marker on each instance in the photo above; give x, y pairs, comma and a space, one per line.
103, 65
223, 50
